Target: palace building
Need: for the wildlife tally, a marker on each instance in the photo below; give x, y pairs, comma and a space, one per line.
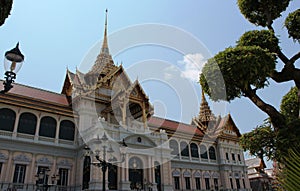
46, 133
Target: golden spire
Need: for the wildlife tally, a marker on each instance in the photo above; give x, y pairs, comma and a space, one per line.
203, 96
205, 114
104, 63
104, 48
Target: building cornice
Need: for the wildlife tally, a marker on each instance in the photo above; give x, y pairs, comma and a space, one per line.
40, 105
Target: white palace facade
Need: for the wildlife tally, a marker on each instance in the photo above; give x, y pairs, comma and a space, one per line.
46, 130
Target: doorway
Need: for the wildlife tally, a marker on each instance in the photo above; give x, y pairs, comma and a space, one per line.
136, 173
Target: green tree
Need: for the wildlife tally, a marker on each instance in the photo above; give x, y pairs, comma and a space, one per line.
289, 105
266, 141
5, 7
251, 63
260, 142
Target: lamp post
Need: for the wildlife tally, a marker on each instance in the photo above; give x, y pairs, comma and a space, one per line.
42, 179
103, 163
12, 64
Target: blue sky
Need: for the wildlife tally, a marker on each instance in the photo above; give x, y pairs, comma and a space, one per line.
57, 34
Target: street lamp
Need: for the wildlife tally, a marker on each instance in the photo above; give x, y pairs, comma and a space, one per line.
42, 179
12, 64
104, 149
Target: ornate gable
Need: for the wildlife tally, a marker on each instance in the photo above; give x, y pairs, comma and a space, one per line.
137, 92
228, 127
116, 80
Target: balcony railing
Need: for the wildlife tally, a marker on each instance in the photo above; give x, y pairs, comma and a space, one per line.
33, 187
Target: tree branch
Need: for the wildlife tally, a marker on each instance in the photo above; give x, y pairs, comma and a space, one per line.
280, 54
295, 57
282, 57
277, 118
283, 76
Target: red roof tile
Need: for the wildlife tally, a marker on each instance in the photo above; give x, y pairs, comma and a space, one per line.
36, 93
174, 125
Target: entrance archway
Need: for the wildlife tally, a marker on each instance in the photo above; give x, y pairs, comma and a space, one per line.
136, 173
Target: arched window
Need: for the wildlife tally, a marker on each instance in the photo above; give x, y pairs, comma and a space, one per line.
203, 152
212, 153
7, 119
239, 157
194, 150
27, 123
184, 149
174, 147
47, 127
67, 130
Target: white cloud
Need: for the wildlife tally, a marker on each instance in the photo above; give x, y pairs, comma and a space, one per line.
192, 66
170, 72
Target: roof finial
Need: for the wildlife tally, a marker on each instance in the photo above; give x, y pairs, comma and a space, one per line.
105, 45
205, 114
203, 96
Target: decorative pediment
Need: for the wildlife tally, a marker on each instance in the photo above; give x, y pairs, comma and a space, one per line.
206, 175
186, 174
117, 79
3, 156
175, 173
139, 141
215, 175
228, 126
137, 91
44, 160
197, 174
65, 163
22, 158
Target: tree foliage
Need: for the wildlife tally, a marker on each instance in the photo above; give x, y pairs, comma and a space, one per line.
237, 63
292, 23
265, 141
262, 12
5, 7
260, 142
252, 62
289, 105
265, 39
249, 65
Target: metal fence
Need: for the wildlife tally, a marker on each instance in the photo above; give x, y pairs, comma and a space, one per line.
33, 187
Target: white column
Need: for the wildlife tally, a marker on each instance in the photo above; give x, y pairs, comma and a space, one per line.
57, 131
150, 179
37, 128
126, 168
32, 170
124, 183
95, 183
9, 167
16, 124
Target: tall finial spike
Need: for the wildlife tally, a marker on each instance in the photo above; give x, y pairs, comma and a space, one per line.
106, 17
203, 96
105, 45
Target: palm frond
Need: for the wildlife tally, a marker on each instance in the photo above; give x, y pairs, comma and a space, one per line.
289, 174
